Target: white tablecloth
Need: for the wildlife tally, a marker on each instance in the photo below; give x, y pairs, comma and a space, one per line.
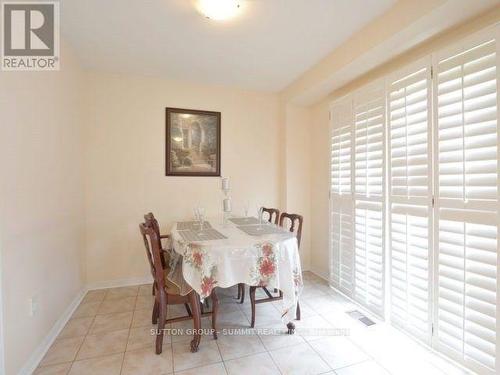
270, 260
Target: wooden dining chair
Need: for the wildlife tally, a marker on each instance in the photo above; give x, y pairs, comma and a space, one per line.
151, 221
167, 293
274, 215
293, 223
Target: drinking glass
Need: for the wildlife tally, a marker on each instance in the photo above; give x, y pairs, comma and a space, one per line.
261, 213
201, 217
246, 208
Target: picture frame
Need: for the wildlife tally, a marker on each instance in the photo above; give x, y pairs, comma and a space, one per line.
192, 142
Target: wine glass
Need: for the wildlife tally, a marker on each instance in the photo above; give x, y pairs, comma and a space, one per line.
246, 208
201, 217
260, 213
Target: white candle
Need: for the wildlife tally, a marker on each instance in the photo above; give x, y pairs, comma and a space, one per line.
225, 183
227, 205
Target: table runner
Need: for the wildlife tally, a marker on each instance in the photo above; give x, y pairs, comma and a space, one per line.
271, 260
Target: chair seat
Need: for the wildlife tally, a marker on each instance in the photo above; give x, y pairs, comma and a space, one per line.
170, 287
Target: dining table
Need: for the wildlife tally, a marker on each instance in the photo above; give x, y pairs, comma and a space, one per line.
224, 253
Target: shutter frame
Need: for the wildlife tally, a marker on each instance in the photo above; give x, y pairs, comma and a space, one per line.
369, 196
402, 211
458, 212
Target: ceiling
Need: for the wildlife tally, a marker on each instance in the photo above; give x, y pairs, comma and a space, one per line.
269, 45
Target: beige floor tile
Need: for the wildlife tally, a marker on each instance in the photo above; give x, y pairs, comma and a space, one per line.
323, 304
117, 305
147, 362
143, 337
207, 353
76, 328
313, 328
339, 352
265, 314
144, 302
142, 318
182, 331
237, 346
277, 337
61, 351
86, 309
106, 365
175, 311
103, 344
61, 369
111, 322
122, 292
235, 319
215, 369
299, 359
261, 364
94, 296
368, 367
146, 289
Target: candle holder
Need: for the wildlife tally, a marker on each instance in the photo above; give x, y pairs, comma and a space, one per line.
226, 201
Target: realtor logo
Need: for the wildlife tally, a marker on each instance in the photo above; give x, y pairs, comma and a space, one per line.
30, 35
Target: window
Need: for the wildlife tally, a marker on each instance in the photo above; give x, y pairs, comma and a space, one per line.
434, 125
410, 197
465, 92
342, 272
369, 117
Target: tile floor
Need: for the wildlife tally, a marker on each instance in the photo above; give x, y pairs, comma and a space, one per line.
109, 333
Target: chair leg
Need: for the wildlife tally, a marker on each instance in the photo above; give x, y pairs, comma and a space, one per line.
242, 292
194, 301
239, 292
297, 314
156, 311
161, 323
215, 309
252, 302
186, 305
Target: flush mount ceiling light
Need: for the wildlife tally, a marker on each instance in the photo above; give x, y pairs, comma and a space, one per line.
219, 9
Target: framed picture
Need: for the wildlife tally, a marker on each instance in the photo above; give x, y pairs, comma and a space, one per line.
192, 142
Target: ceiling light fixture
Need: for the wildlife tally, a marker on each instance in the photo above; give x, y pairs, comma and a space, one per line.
219, 9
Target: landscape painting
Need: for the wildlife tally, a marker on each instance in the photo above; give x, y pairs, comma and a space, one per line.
192, 142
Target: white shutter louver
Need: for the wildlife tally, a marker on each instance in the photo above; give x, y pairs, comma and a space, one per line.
341, 272
467, 204
409, 120
369, 122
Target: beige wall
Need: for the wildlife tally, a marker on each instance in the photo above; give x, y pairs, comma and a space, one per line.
320, 186
320, 130
41, 201
125, 175
297, 175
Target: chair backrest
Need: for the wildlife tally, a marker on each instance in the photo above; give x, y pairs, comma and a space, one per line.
294, 224
153, 252
273, 212
151, 222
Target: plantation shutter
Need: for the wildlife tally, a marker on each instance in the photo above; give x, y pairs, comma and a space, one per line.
467, 203
410, 197
341, 270
369, 121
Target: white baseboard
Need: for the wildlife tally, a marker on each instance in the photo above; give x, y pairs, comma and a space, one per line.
320, 274
44, 346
